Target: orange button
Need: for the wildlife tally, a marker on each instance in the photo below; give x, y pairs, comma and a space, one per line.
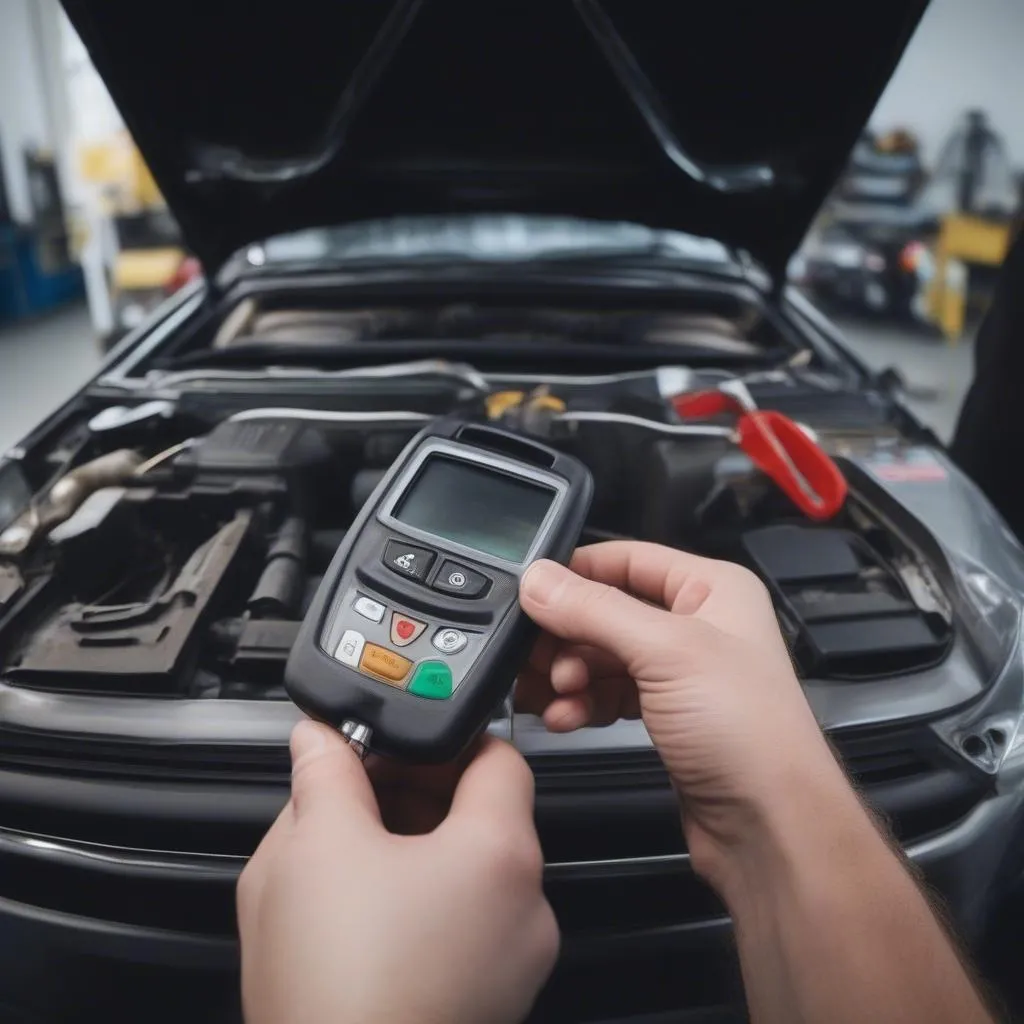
379, 661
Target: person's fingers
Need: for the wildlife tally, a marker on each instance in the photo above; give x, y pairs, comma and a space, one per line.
532, 693
543, 652
412, 812
601, 702
724, 594
327, 777
439, 779
584, 686
588, 612
569, 674
614, 699
414, 799
650, 571
567, 714
495, 791
577, 665
570, 671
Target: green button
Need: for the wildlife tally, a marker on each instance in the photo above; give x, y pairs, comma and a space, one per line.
432, 679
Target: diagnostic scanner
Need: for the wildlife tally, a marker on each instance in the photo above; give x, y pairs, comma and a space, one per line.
415, 635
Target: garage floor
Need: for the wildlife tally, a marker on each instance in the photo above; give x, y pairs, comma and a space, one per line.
937, 375
43, 362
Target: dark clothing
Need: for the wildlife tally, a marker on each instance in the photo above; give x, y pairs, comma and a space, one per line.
989, 441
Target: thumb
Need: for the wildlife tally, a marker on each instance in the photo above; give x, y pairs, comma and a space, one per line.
327, 776
586, 612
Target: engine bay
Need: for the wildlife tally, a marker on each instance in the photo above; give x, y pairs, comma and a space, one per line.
163, 560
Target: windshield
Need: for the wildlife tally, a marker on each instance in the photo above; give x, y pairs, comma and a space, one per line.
495, 237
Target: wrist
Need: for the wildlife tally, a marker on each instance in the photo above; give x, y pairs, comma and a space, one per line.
799, 815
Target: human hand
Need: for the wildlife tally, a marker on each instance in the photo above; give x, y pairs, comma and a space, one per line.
342, 920
693, 646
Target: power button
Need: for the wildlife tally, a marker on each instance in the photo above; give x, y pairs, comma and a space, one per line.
460, 580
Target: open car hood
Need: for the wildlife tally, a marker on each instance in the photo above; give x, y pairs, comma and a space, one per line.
727, 120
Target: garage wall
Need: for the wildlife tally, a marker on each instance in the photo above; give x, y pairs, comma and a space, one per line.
966, 54
24, 119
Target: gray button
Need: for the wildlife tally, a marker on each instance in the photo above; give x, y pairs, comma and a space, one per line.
460, 581
449, 641
368, 608
350, 650
408, 560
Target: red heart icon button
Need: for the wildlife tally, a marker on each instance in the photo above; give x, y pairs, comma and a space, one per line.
404, 628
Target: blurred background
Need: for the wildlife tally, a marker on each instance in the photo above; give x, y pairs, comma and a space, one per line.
903, 256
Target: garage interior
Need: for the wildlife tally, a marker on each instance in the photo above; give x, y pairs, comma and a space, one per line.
902, 259
71, 182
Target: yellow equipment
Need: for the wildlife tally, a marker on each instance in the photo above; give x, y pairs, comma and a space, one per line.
118, 168
970, 240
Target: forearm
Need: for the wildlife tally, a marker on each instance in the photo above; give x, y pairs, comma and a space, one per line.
831, 926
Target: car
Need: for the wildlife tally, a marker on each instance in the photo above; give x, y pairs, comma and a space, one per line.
872, 250
554, 217
879, 263
149, 265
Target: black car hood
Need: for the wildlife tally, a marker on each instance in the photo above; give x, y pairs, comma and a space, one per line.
729, 120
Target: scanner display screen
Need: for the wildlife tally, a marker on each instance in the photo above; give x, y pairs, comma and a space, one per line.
477, 507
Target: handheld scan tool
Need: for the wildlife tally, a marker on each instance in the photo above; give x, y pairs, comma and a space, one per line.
415, 635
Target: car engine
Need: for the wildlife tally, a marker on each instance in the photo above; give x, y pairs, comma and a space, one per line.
174, 558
